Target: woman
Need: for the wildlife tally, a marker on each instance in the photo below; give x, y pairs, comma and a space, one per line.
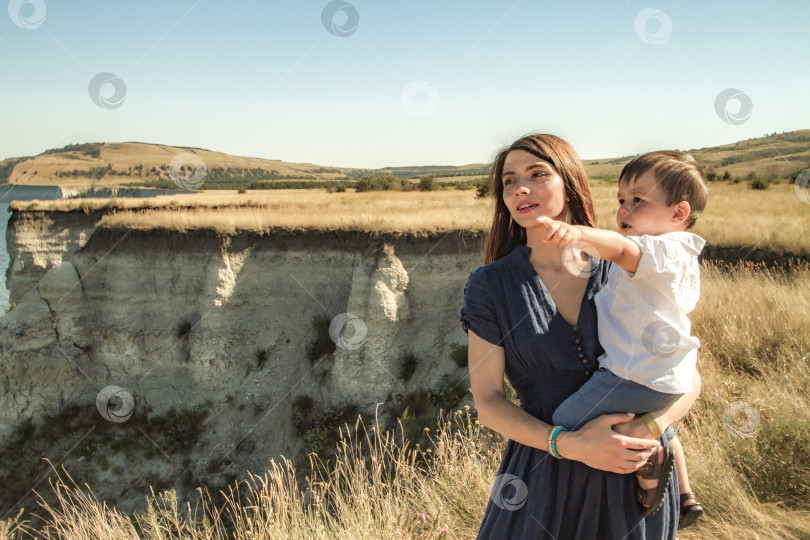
530, 315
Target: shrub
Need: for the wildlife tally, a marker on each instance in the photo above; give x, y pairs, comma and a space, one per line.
758, 183
319, 427
183, 329
339, 187
482, 188
459, 354
428, 183
448, 392
381, 183
407, 366
321, 342
261, 357
405, 185
301, 413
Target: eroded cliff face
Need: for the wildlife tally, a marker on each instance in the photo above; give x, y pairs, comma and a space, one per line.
177, 319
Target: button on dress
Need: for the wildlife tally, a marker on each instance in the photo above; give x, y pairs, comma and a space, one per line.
534, 495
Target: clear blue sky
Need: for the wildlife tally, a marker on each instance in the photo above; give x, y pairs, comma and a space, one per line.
268, 79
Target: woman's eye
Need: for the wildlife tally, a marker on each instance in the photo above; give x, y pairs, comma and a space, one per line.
636, 200
507, 181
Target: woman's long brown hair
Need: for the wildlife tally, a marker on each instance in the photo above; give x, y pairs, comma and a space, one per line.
505, 235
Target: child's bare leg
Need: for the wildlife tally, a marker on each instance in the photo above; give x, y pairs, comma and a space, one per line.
680, 465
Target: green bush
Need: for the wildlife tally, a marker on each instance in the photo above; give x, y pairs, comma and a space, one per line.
482, 188
382, 183
183, 328
339, 187
419, 409
459, 354
448, 392
319, 426
758, 183
428, 183
321, 342
407, 366
261, 357
102, 444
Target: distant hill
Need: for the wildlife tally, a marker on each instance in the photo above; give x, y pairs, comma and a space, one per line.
780, 155
143, 164
107, 164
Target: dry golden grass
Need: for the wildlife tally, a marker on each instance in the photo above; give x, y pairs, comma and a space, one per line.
754, 349
378, 487
229, 211
773, 219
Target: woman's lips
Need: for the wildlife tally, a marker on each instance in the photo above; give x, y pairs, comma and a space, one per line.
527, 209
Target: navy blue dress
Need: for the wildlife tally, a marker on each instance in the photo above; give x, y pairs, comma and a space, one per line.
536, 496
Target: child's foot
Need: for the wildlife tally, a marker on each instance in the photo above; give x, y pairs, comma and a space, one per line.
691, 510
653, 480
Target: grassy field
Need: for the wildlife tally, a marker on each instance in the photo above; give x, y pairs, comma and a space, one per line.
750, 468
773, 219
751, 471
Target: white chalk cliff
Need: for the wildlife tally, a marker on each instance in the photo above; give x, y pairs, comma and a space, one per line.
176, 319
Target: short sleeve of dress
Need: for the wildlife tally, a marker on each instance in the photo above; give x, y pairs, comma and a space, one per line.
478, 313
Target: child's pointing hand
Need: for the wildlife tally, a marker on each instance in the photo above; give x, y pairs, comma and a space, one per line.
559, 232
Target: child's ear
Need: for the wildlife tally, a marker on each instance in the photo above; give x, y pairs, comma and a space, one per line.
681, 212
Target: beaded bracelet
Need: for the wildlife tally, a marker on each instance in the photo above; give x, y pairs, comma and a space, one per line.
552, 441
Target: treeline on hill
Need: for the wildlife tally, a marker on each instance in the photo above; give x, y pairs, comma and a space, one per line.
419, 172
88, 149
365, 183
754, 180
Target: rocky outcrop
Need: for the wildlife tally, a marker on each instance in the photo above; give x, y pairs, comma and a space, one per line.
37, 241
178, 319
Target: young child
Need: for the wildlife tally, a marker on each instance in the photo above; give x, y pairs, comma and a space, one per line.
642, 311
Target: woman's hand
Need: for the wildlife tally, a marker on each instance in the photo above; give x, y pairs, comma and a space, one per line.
634, 428
598, 446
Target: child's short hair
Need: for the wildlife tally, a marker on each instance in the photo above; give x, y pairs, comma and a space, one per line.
678, 176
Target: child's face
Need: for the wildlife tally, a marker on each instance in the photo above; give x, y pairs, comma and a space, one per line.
643, 208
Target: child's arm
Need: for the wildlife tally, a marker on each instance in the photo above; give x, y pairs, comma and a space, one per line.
611, 246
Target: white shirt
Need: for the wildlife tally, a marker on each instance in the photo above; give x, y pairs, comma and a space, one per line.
643, 325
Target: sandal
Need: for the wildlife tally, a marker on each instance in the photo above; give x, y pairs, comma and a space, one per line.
652, 499
689, 512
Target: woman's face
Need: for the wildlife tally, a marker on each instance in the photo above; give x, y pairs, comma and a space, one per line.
532, 188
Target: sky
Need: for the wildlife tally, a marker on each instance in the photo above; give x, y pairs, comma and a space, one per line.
371, 84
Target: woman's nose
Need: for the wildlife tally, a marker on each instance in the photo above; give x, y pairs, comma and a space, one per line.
521, 187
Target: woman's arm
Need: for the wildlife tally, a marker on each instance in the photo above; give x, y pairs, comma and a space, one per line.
664, 417
596, 444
